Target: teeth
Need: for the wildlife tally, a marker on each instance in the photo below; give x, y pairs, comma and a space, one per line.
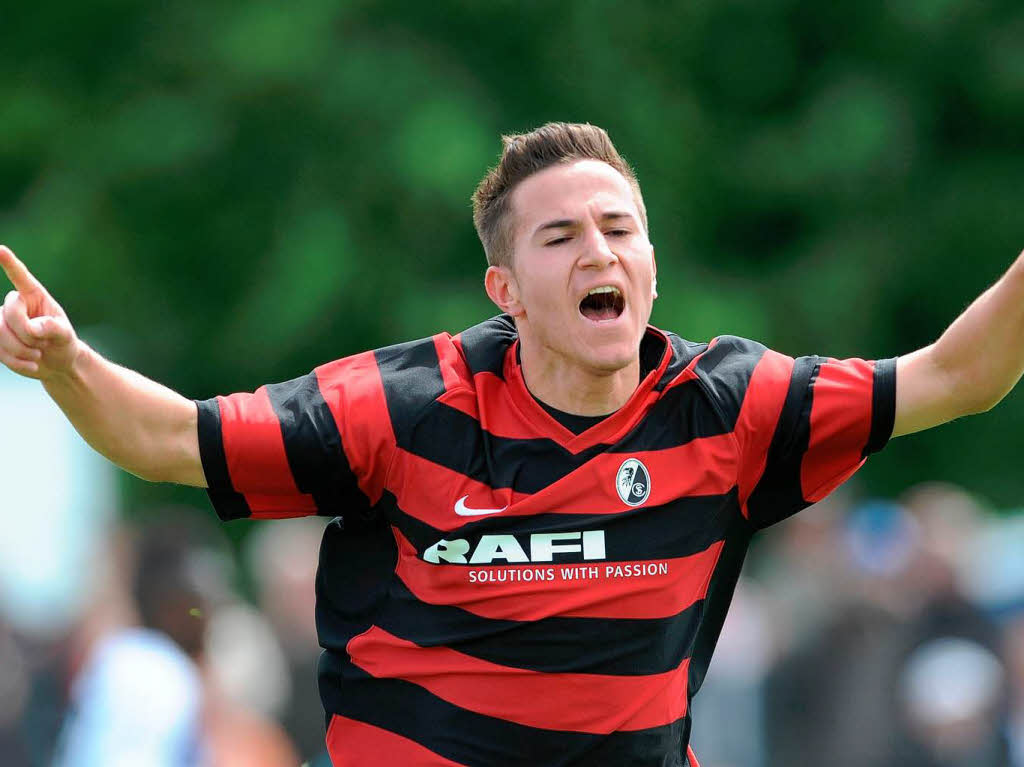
603, 289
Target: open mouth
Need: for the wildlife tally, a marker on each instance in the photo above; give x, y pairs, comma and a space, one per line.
603, 304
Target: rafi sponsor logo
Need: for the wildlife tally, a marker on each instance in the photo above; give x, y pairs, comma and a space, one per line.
633, 482
540, 547
569, 557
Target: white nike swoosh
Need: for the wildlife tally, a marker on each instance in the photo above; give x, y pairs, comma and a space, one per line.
464, 511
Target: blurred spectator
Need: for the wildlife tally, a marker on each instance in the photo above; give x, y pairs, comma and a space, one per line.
246, 686
859, 690
158, 693
952, 699
283, 559
14, 691
728, 711
138, 698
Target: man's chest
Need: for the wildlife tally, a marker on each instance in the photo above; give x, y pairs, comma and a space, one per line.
561, 533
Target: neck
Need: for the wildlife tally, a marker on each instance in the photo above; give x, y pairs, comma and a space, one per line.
572, 388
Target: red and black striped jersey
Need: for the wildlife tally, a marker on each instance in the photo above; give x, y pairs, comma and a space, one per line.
497, 590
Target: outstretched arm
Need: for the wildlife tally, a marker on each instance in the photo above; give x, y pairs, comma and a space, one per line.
143, 427
972, 366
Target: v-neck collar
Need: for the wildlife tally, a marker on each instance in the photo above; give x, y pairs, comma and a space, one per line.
606, 431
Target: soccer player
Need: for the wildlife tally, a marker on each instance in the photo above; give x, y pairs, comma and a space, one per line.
538, 522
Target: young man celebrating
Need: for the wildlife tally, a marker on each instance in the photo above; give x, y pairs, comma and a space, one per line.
539, 522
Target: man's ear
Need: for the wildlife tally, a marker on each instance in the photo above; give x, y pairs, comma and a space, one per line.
654, 275
502, 288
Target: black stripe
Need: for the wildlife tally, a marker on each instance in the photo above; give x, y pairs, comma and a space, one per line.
411, 376
468, 738
718, 598
485, 344
779, 492
357, 564
228, 503
726, 369
683, 352
679, 528
619, 646
313, 446
883, 405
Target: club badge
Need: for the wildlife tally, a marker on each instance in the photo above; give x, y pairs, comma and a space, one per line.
633, 482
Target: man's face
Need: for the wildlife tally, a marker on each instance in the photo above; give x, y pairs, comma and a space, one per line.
582, 266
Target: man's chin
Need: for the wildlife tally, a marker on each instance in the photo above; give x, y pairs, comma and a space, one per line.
609, 360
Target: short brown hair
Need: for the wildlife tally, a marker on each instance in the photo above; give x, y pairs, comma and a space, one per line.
527, 153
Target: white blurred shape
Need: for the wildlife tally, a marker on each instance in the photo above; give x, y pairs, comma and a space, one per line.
950, 680
57, 497
137, 702
246, 661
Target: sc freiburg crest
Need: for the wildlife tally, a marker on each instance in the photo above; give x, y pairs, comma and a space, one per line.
633, 482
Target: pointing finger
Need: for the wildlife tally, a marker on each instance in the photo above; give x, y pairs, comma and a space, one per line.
18, 273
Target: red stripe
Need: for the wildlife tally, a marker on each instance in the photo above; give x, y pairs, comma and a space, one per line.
758, 417
254, 445
692, 757
351, 743
840, 426
429, 491
354, 392
593, 703
607, 595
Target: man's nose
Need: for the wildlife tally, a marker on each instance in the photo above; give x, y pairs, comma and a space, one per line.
596, 252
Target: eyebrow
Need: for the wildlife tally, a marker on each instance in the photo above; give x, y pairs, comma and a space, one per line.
565, 223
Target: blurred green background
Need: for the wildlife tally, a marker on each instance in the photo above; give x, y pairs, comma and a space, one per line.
225, 194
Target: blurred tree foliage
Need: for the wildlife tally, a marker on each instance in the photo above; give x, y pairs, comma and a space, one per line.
224, 194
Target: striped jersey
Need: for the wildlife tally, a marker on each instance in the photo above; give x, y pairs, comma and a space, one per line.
497, 590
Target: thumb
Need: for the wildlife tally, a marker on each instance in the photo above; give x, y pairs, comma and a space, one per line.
50, 328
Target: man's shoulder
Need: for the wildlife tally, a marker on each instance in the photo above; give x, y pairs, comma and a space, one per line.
416, 373
478, 349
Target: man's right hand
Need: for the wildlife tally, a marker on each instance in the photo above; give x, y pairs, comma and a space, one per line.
143, 427
36, 337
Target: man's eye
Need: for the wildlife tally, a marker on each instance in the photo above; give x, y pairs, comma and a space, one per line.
556, 241
618, 232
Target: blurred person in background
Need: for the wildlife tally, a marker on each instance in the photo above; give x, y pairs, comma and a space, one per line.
992, 575
247, 688
150, 691
14, 692
422, 663
138, 699
913, 667
283, 559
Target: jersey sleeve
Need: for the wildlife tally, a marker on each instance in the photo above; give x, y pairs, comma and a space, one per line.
318, 444
802, 426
